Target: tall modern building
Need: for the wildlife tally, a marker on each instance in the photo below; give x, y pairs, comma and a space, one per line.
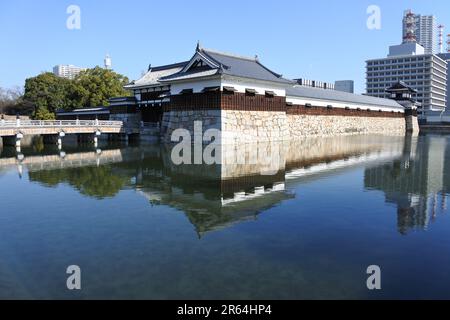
67, 71
408, 62
446, 57
345, 86
425, 30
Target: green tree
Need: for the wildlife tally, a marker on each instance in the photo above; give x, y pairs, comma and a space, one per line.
94, 87
42, 113
97, 182
47, 93
91, 88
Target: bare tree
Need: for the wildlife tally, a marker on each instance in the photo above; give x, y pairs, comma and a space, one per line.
11, 101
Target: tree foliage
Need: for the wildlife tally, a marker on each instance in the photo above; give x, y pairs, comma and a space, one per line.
43, 113
94, 87
91, 88
47, 93
97, 182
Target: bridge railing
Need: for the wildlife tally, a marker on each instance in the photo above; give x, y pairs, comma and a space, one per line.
58, 123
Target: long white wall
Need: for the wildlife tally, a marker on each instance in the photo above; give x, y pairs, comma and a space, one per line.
261, 87
342, 105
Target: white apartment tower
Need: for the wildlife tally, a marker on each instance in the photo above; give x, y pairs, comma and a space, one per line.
67, 71
425, 30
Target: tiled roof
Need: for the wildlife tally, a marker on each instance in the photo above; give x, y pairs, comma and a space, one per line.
332, 95
244, 67
400, 86
232, 65
190, 75
154, 74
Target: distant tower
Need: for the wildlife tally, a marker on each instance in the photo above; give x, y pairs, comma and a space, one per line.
108, 62
409, 27
441, 38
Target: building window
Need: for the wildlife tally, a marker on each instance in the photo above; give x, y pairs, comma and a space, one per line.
270, 94
211, 89
229, 90
250, 92
187, 91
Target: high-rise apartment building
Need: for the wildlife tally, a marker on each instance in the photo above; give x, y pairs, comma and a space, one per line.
345, 86
425, 30
67, 71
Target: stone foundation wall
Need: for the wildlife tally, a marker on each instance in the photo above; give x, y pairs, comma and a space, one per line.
412, 124
301, 126
128, 119
251, 126
264, 126
247, 118
173, 120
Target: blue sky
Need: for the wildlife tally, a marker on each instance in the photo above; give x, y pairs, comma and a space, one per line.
322, 40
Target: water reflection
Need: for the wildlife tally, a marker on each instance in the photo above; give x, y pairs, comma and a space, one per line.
305, 223
411, 172
417, 182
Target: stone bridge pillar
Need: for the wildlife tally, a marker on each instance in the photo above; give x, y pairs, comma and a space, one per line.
61, 135
89, 137
49, 138
55, 139
14, 141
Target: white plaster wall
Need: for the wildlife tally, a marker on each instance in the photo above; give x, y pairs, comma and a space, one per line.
342, 105
241, 84
197, 86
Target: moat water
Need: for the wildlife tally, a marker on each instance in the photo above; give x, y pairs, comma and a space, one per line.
304, 225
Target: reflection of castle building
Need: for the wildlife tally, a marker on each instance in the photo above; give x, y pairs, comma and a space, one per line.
256, 178
414, 182
216, 196
211, 205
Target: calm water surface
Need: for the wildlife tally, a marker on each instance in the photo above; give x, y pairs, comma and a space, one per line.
304, 225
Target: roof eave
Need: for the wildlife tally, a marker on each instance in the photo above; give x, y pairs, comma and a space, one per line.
169, 81
282, 81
